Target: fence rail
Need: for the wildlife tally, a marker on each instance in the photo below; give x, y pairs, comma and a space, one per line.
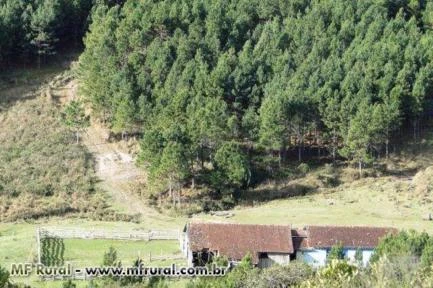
74, 233
112, 235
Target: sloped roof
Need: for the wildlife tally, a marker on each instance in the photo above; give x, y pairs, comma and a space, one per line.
299, 237
236, 240
350, 237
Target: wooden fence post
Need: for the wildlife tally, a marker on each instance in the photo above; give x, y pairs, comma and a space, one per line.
38, 243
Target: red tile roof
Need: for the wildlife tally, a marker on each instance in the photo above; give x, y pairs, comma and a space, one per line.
350, 237
299, 237
235, 240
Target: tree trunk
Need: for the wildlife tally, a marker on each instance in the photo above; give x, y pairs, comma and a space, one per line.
39, 61
387, 148
279, 157
299, 152
360, 168
178, 199
77, 135
201, 156
414, 130
170, 189
334, 140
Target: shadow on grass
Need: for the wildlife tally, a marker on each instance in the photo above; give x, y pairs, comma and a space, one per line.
24, 83
269, 194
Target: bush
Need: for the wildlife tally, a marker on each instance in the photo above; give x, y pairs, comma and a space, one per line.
69, 284
289, 275
427, 254
406, 243
329, 180
336, 253
110, 258
394, 272
4, 277
337, 273
303, 168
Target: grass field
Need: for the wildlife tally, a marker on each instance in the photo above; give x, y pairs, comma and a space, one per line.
127, 251
18, 245
18, 241
364, 205
370, 201
385, 201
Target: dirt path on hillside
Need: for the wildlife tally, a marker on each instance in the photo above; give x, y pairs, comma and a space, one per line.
116, 169
118, 174
114, 164
114, 161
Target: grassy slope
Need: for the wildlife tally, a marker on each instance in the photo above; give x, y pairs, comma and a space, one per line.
41, 172
366, 202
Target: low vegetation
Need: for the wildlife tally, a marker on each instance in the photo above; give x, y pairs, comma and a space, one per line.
42, 173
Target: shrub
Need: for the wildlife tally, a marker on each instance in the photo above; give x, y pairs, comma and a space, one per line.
336, 253
406, 243
289, 275
110, 258
69, 284
427, 254
337, 273
4, 277
400, 271
303, 168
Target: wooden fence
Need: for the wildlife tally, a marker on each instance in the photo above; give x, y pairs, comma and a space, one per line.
106, 234
75, 233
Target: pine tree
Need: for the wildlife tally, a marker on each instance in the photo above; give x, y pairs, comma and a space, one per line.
43, 27
274, 124
234, 165
173, 169
359, 138
74, 117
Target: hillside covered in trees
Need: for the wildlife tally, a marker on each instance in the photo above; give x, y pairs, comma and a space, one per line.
227, 91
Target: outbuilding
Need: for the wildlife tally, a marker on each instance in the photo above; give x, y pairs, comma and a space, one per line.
267, 244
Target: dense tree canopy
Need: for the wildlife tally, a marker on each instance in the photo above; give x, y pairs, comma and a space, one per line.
197, 77
34, 29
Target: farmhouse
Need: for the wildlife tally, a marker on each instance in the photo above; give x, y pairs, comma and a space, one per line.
276, 244
267, 244
313, 243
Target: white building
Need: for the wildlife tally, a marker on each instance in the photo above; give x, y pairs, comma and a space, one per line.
313, 243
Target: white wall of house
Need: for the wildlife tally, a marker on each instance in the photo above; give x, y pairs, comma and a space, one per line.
281, 259
189, 258
366, 255
274, 258
184, 244
185, 249
317, 257
313, 257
